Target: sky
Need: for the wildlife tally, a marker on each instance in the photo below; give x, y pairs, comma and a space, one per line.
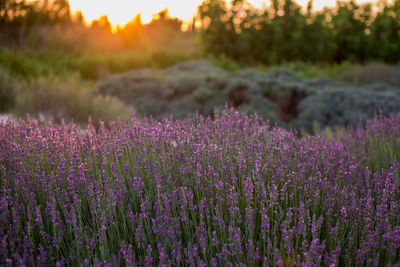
122, 11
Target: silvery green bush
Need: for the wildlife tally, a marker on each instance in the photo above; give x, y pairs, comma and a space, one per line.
279, 95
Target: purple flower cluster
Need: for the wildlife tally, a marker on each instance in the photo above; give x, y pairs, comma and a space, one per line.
201, 192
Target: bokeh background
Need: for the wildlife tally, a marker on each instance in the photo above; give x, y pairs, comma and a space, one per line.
306, 65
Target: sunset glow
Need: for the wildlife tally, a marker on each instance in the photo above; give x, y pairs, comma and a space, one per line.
122, 11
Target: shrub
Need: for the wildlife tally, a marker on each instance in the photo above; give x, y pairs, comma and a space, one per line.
162, 59
18, 65
347, 106
96, 65
69, 99
224, 62
279, 95
91, 67
132, 85
7, 91
237, 92
310, 70
373, 73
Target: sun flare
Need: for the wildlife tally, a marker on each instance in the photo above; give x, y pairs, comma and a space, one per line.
120, 12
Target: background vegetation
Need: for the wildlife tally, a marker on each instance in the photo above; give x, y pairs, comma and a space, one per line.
292, 65
284, 32
280, 95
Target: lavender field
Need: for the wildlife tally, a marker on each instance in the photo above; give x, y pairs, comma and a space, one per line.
227, 191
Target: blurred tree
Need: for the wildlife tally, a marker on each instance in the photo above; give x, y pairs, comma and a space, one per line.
242, 17
263, 37
163, 33
385, 34
317, 42
292, 23
45, 12
163, 20
12, 12
101, 24
60, 11
219, 34
131, 32
284, 32
78, 18
192, 25
350, 24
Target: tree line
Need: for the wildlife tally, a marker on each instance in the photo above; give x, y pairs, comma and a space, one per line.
23, 13
22, 19
284, 32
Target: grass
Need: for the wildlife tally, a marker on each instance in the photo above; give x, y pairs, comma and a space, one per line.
69, 99
91, 65
61, 84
